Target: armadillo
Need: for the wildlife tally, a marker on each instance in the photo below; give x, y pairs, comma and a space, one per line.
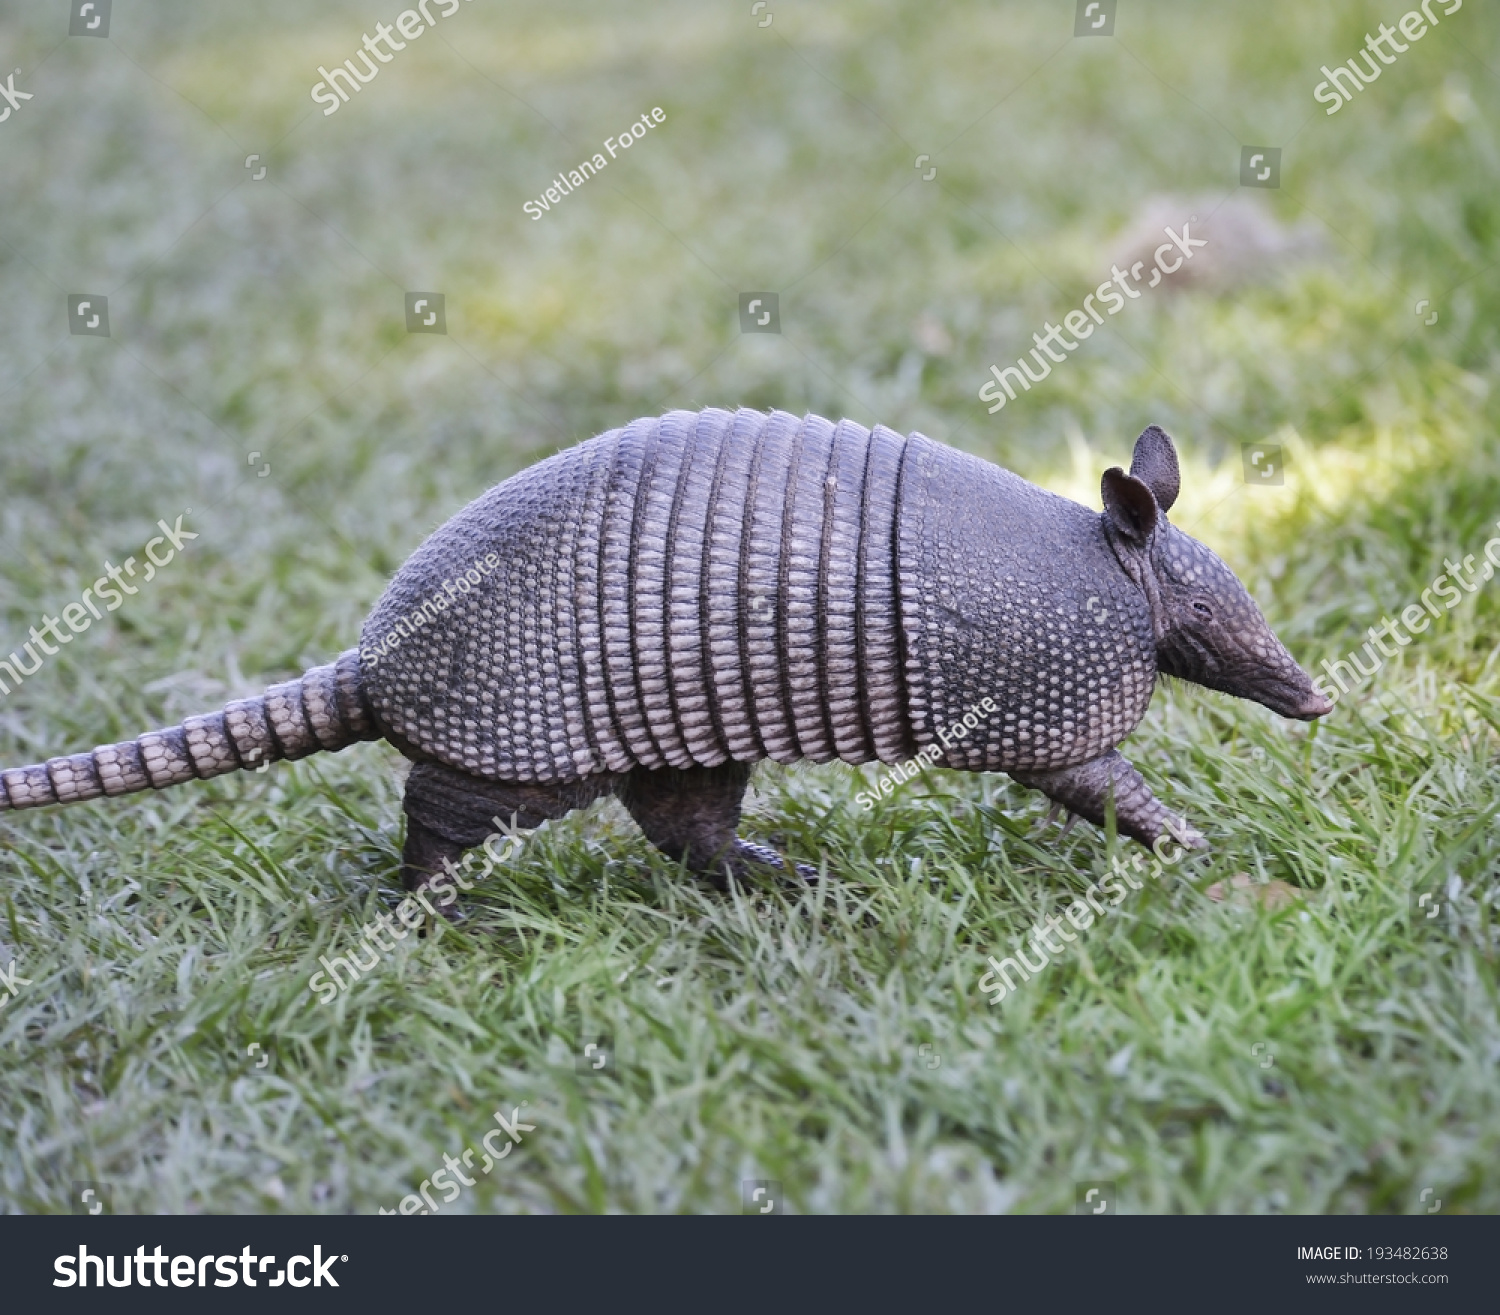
649, 613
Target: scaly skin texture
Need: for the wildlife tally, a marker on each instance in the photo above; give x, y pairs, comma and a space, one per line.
651, 612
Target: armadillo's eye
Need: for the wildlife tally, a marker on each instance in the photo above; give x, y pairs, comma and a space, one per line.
1204, 610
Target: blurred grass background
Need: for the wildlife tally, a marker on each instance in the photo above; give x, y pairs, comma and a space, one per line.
761, 1036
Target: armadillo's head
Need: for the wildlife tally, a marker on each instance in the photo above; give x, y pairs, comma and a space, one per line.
1208, 628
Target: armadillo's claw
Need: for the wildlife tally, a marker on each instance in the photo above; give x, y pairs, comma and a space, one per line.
1184, 833
1086, 789
1053, 815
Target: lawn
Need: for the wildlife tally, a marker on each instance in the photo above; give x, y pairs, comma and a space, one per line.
1274, 1026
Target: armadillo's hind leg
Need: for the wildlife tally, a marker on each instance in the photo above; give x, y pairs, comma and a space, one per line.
426, 854
449, 811
690, 814
1085, 788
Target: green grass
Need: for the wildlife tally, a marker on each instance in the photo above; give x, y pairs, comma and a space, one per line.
764, 1034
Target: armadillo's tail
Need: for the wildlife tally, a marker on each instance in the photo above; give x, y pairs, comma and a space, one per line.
324, 709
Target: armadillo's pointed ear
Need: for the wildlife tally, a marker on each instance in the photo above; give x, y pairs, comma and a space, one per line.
1130, 505
1154, 463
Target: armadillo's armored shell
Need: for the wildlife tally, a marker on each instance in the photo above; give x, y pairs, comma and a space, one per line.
684, 591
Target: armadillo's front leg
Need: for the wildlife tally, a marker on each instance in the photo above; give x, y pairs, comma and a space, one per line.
1138, 813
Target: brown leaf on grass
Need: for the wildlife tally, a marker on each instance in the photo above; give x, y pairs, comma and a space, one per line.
1243, 890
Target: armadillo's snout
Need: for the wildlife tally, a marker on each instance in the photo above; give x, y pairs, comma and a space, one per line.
1273, 676
1313, 706
1291, 694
